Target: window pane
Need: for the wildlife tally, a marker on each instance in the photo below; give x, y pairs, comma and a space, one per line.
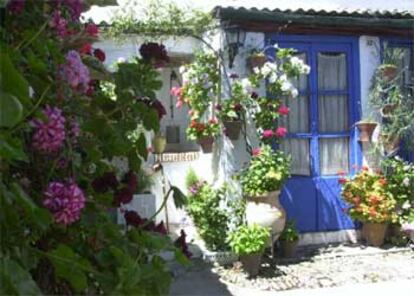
301, 83
333, 113
298, 119
332, 71
299, 150
334, 155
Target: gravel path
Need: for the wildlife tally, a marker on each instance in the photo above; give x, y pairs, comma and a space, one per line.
326, 267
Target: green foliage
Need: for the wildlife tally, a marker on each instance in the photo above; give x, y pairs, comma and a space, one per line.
248, 240
266, 172
289, 234
159, 19
191, 178
400, 178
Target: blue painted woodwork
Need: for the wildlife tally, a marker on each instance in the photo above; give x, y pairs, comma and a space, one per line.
314, 201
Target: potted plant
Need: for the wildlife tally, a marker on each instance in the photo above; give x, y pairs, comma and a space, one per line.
231, 111
159, 142
371, 203
256, 59
204, 133
289, 240
261, 182
391, 57
249, 242
366, 129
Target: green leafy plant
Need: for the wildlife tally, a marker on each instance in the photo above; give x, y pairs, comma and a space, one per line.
233, 109
205, 208
289, 234
247, 240
267, 171
71, 146
400, 176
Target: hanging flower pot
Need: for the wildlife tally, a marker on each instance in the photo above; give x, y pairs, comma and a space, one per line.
233, 129
206, 144
365, 130
158, 143
267, 211
390, 143
387, 110
256, 61
389, 72
374, 233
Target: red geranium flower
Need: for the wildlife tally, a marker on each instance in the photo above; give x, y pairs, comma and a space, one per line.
283, 110
92, 30
99, 54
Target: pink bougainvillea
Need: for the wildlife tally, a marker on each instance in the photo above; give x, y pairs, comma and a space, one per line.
65, 201
49, 134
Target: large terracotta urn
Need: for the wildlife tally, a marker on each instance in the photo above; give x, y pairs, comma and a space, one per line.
268, 212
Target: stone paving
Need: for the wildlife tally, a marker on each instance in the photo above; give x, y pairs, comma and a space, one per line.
326, 267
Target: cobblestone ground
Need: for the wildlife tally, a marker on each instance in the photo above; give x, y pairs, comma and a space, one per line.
326, 267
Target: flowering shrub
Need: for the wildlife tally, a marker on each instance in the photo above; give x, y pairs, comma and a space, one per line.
266, 172
400, 176
197, 130
67, 160
233, 109
369, 197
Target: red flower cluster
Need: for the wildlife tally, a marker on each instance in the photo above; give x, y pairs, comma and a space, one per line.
154, 53
280, 132
132, 218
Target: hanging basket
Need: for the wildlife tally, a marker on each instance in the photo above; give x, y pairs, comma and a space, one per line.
206, 144
366, 130
389, 72
233, 129
159, 143
256, 61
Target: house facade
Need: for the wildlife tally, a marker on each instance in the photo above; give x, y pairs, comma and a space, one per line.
343, 43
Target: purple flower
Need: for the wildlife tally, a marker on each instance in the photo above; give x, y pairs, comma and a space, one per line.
254, 95
49, 135
75, 72
234, 76
195, 188
15, 6
59, 24
65, 201
105, 182
74, 7
123, 196
74, 131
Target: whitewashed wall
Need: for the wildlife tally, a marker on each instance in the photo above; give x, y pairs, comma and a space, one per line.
229, 156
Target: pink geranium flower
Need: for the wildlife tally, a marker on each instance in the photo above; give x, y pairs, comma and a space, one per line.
267, 134
256, 151
284, 110
281, 132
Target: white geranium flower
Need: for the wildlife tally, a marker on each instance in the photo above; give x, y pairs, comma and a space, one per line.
294, 92
182, 69
276, 46
256, 70
286, 85
406, 168
306, 69
121, 60
247, 85
273, 78
406, 182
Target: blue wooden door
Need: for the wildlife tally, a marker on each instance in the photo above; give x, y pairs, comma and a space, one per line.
321, 139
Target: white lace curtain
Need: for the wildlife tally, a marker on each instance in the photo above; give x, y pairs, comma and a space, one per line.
332, 118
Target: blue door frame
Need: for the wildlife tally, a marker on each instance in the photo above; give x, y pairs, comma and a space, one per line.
314, 201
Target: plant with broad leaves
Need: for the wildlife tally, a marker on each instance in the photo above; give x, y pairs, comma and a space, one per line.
248, 240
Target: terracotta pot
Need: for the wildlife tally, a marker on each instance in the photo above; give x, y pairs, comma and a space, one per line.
233, 129
374, 233
206, 144
159, 143
389, 72
288, 248
256, 61
251, 263
365, 130
268, 212
386, 111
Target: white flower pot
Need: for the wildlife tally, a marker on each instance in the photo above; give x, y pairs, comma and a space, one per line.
268, 212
